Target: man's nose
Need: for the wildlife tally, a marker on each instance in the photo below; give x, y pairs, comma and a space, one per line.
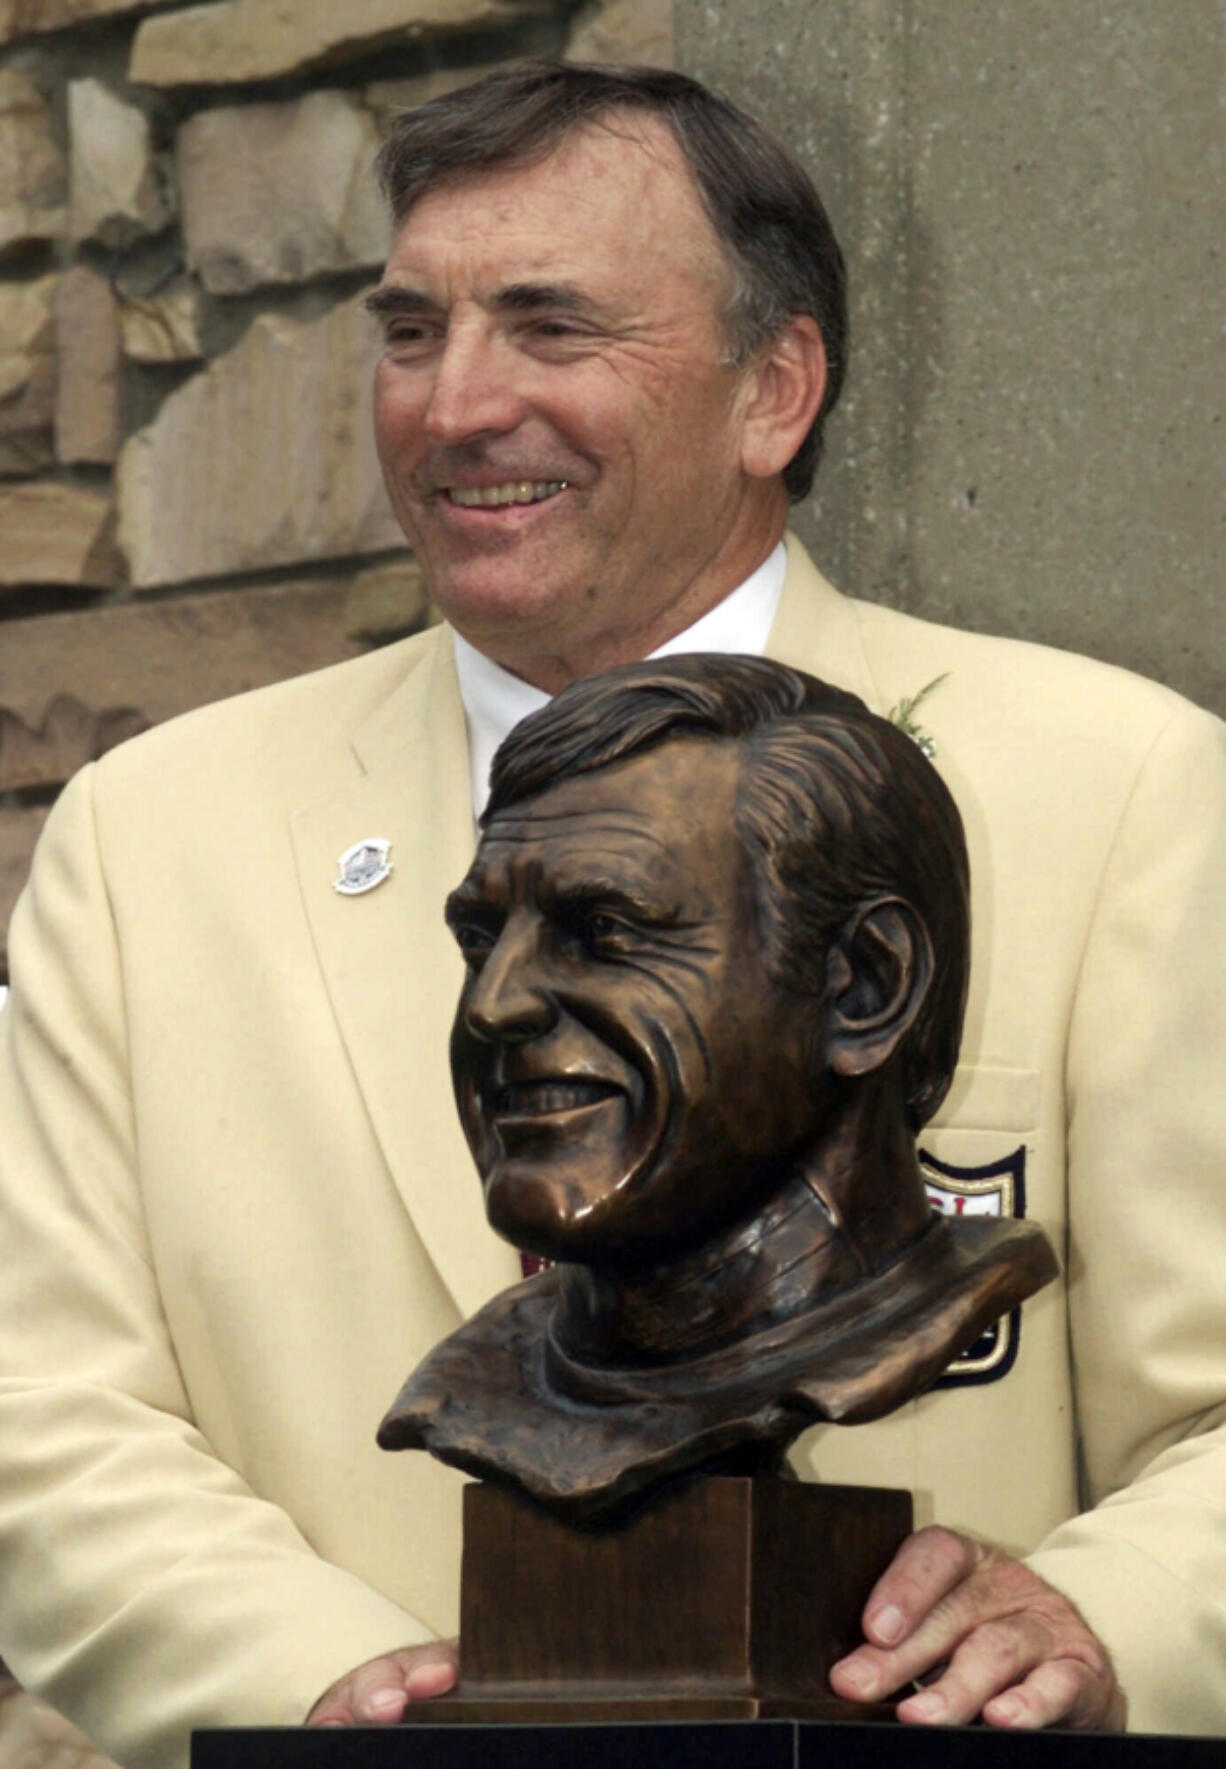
509, 999
474, 391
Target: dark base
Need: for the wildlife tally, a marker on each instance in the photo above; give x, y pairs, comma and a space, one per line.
726, 1599
767, 1744
561, 1710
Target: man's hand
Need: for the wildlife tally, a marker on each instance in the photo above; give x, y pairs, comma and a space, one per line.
995, 1640
378, 1692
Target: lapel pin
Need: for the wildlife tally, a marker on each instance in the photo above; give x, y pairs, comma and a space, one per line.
363, 867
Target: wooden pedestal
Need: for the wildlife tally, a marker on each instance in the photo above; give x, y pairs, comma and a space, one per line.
728, 1599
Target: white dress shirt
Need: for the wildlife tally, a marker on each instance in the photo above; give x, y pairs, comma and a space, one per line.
495, 700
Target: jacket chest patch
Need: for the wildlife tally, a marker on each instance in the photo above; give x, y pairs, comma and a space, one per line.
996, 1189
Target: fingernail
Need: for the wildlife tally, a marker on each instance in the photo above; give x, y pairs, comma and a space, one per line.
430, 1679
388, 1700
888, 1624
1007, 1708
928, 1705
857, 1677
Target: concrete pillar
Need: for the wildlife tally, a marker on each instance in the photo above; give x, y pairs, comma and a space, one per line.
1033, 202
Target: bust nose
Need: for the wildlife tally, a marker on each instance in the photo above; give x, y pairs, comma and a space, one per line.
509, 1000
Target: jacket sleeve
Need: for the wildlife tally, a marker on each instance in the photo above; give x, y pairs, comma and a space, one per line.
147, 1589
1146, 1089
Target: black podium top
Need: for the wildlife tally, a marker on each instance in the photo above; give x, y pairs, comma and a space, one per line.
756, 1744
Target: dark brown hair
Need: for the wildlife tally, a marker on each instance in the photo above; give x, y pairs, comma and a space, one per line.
780, 245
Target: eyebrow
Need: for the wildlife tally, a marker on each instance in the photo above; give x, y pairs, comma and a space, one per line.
596, 888
525, 297
467, 899
390, 298
397, 298
471, 898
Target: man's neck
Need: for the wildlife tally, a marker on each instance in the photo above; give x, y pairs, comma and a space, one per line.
495, 699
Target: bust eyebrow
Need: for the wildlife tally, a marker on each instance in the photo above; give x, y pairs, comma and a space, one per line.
595, 891
469, 899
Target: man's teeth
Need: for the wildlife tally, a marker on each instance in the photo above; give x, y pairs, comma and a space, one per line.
516, 491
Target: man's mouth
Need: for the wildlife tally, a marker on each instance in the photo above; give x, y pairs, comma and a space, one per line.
496, 497
536, 1099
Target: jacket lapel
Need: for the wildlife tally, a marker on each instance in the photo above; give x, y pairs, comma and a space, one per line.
816, 629
391, 969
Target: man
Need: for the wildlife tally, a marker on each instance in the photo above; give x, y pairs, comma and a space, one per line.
716, 939
236, 1208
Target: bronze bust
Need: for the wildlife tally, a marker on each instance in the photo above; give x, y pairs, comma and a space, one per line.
717, 938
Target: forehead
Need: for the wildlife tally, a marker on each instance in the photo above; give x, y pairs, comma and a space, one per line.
662, 819
613, 188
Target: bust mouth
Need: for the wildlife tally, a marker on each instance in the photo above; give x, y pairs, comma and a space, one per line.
548, 1097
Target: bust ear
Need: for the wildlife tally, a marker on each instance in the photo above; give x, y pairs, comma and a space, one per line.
878, 972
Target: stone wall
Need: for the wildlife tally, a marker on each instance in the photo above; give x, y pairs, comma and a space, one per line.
1033, 203
189, 499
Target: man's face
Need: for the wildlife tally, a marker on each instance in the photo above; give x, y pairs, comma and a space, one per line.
629, 1078
559, 429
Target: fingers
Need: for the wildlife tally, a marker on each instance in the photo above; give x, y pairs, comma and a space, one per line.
903, 1619
1006, 1666
929, 1565
433, 1671
378, 1692
991, 1638
1062, 1692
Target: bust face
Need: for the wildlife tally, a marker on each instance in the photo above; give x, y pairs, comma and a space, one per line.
630, 1079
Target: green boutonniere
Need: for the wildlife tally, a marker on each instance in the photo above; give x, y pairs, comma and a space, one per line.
903, 715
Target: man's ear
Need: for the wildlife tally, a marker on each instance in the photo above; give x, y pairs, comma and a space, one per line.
785, 392
878, 972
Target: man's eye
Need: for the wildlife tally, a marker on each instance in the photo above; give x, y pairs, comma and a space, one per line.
559, 332
407, 334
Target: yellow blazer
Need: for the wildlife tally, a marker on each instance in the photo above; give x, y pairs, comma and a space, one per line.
237, 1207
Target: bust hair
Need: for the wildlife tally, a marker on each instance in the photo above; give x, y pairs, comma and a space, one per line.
836, 807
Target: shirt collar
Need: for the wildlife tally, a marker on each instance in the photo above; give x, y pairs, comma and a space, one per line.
495, 700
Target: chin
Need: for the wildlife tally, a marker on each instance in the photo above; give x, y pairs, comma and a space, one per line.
549, 1215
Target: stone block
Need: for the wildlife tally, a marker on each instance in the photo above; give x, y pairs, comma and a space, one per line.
27, 375
164, 327
31, 1735
280, 193
236, 40
386, 601
87, 381
57, 534
626, 31
32, 18
33, 180
266, 458
115, 195
73, 685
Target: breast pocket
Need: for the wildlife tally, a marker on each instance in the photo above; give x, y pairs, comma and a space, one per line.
974, 1156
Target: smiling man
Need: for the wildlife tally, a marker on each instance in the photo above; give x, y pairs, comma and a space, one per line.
583, 451
237, 1203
